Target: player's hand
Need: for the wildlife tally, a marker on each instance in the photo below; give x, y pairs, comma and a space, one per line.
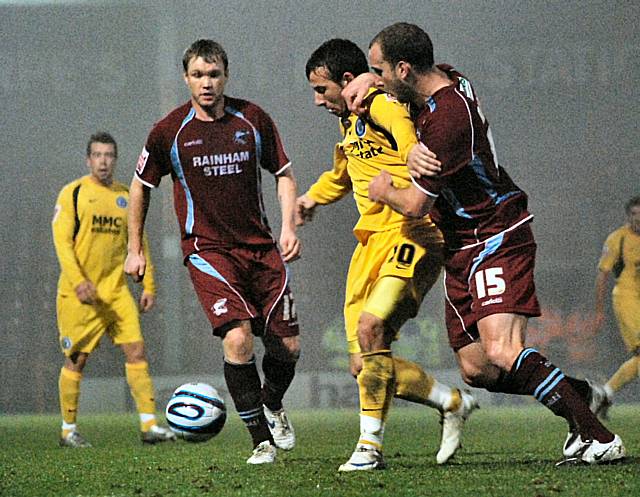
379, 185
147, 301
86, 292
305, 209
290, 246
423, 162
135, 266
356, 91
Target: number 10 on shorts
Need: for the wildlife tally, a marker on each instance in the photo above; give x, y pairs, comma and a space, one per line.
489, 283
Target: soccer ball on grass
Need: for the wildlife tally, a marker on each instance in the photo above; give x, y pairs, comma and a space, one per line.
196, 412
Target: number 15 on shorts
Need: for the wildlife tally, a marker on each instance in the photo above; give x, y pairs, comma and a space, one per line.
489, 282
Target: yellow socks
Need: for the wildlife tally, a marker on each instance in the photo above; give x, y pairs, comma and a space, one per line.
141, 388
69, 392
376, 385
626, 373
415, 385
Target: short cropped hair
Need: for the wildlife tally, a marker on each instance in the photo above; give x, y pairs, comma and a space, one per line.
101, 137
209, 50
631, 203
338, 56
406, 42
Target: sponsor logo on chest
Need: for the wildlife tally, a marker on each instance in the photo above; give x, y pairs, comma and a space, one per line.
221, 164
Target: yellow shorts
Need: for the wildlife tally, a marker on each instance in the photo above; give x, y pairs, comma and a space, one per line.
81, 326
389, 276
627, 310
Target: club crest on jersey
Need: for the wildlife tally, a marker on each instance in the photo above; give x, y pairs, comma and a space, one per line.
361, 127
66, 343
121, 202
220, 307
465, 87
240, 137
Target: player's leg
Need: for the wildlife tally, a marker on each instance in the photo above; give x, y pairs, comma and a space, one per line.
245, 388
219, 279
80, 329
531, 373
141, 388
69, 392
628, 317
125, 332
280, 336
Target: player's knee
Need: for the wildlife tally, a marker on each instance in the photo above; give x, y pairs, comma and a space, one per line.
371, 334
500, 355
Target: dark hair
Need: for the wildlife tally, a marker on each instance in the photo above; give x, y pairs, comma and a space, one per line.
209, 50
338, 56
101, 137
406, 42
631, 203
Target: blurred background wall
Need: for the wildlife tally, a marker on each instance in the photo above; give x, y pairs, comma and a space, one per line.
558, 82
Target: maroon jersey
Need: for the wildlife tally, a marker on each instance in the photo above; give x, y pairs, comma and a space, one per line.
475, 197
215, 167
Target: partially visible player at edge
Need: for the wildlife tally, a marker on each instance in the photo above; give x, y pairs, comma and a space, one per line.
214, 148
490, 250
397, 259
621, 258
90, 237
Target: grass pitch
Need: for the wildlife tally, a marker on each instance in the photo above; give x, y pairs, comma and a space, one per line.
507, 452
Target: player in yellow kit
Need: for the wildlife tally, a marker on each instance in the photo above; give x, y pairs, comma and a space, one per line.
90, 237
621, 258
397, 259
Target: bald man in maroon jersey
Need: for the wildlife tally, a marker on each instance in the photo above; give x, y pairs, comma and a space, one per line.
216, 148
490, 248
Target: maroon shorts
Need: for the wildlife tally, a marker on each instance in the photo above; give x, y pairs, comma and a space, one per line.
245, 283
491, 278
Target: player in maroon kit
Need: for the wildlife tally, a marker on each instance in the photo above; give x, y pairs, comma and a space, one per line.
214, 148
490, 256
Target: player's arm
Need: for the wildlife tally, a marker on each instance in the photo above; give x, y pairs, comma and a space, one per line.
63, 226
610, 254
330, 187
148, 296
139, 197
410, 202
357, 89
391, 115
286, 190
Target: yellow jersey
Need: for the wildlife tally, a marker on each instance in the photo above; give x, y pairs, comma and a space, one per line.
378, 140
626, 240
90, 237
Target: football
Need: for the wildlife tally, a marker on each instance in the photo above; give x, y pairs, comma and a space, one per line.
196, 412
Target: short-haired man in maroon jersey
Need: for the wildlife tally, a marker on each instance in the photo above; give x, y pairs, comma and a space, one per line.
215, 148
490, 249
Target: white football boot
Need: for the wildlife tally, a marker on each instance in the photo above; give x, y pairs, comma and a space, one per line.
364, 458
574, 446
281, 428
157, 434
603, 453
578, 451
452, 424
264, 453
75, 441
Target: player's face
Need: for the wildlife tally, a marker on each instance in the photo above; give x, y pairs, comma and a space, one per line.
634, 218
206, 81
326, 93
102, 162
392, 81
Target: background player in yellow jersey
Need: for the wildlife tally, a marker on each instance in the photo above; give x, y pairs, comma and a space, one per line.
621, 258
396, 261
90, 237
